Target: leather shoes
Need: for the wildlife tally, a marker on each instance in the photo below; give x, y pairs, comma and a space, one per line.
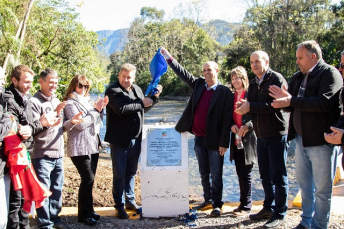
300, 226
95, 216
273, 222
122, 214
216, 212
239, 212
203, 205
265, 213
132, 206
89, 221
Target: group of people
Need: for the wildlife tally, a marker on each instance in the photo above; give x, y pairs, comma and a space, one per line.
42, 119
259, 120
255, 119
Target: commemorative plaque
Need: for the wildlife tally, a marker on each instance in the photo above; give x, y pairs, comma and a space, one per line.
163, 147
164, 172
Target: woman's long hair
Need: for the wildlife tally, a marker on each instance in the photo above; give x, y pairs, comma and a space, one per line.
74, 83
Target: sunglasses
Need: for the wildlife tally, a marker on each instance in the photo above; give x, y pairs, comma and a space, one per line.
80, 86
341, 65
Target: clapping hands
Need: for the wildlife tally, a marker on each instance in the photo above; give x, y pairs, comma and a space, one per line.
101, 103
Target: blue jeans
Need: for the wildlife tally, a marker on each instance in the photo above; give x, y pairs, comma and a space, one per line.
5, 184
210, 164
49, 172
272, 158
315, 168
124, 167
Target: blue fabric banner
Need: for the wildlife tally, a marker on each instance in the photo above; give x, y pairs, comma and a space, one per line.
157, 68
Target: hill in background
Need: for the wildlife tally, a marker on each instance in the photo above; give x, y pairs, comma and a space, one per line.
114, 40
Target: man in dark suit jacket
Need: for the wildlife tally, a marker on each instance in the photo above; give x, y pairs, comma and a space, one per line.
124, 120
208, 116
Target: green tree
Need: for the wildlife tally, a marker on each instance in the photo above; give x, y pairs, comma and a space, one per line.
277, 27
54, 39
190, 45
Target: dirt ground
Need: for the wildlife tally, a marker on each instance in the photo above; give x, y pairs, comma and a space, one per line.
102, 188
102, 197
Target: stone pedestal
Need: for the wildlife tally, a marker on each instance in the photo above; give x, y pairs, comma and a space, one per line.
164, 172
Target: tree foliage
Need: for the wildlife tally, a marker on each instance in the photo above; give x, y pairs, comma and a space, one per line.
187, 42
54, 39
277, 26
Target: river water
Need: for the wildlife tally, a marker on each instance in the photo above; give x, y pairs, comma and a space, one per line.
169, 112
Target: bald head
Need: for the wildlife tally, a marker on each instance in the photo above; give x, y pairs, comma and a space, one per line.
210, 72
259, 63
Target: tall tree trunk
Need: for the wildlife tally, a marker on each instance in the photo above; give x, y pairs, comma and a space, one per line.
20, 33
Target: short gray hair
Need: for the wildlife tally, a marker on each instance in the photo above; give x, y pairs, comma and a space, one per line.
261, 54
312, 47
47, 72
342, 53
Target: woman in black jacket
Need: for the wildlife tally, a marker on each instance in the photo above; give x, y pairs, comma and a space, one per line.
243, 148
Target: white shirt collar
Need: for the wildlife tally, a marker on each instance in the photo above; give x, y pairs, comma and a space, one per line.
212, 87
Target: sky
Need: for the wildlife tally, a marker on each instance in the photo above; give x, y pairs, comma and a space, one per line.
118, 14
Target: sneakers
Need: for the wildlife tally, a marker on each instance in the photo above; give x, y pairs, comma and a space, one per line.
238, 212
273, 222
216, 212
62, 225
203, 205
265, 213
121, 213
132, 206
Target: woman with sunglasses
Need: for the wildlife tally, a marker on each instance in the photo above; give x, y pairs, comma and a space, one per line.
83, 142
243, 148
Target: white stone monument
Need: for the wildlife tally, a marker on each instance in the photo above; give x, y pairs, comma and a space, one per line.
164, 172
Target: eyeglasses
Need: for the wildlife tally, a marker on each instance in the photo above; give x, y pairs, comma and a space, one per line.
80, 86
341, 65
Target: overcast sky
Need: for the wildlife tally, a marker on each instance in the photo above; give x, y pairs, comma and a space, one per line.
117, 14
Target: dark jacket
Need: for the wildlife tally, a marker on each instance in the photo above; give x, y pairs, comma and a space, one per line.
340, 123
122, 113
249, 141
320, 104
23, 114
267, 121
5, 127
219, 117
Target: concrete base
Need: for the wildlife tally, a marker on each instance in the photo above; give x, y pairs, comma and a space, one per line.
164, 193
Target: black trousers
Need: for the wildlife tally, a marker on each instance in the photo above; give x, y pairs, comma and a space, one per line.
244, 173
86, 166
17, 217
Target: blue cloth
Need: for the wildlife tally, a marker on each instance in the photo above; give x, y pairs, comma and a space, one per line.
157, 68
315, 170
272, 159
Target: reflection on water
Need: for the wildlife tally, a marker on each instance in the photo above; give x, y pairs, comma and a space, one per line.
169, 112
